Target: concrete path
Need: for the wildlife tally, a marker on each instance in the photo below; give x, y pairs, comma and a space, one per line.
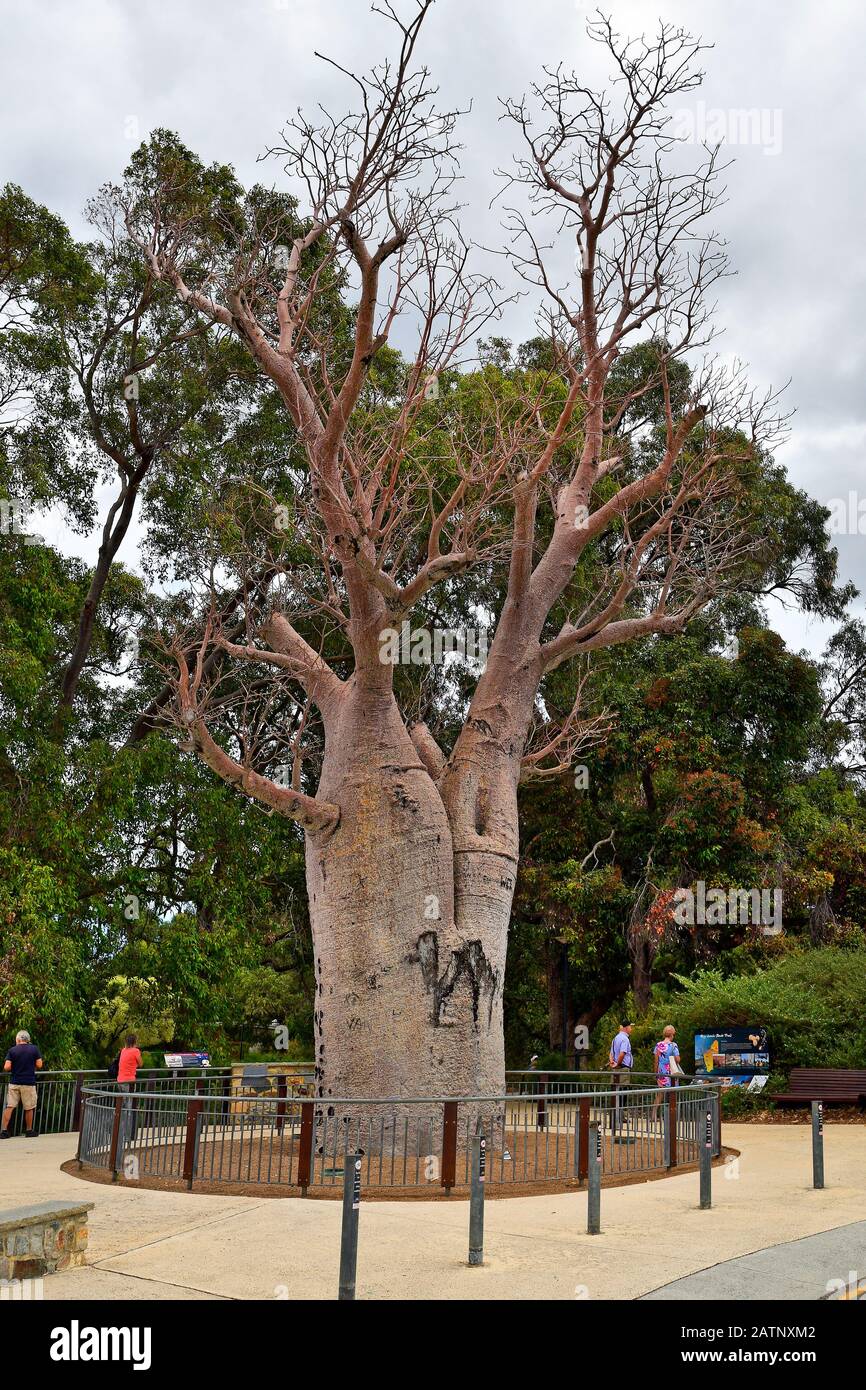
795, 1270
146, 1244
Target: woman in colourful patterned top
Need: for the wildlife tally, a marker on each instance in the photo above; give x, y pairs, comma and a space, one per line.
663, 1052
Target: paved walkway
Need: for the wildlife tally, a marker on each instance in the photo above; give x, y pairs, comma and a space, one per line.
146, 1245
790, 1271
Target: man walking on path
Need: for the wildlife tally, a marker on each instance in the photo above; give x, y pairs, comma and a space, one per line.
22, 1061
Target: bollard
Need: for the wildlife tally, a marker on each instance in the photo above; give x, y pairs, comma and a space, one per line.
593, 1193
349, 1232
706, 1161
817, 1143
476, 1200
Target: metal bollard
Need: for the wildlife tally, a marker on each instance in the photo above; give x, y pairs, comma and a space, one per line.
476, 1200
706, 1161
349, 1232
593, 1193
817, 1143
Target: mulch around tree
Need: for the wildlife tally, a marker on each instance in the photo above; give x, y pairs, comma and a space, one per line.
375, 1184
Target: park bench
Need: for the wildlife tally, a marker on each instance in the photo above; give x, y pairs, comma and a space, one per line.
833, 1085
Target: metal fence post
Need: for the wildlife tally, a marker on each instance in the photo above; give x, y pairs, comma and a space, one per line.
476, 1200
115, 1136
81, 1123
706, 1159
281, 1103
671, 1130
305, 1147
817, 1143
349, 1229
193, 1111
593, 1195
541, 1111
76, 1104
717, 1117
583, 1109
449, 1145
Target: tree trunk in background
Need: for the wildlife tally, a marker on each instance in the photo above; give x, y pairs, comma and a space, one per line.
641, 975
556, 981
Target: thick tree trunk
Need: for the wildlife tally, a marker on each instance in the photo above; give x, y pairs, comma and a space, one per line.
408, 994
560, 1027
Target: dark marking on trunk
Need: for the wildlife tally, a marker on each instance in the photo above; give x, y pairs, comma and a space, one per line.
481, 725
467, 963
403, 799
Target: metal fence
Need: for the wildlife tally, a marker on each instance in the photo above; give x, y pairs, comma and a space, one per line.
59, 1093
170, 1129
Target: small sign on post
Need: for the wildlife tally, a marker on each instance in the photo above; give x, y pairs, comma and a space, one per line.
349, 1232
476, 1200
706, 1162
593, 1195
817, 1144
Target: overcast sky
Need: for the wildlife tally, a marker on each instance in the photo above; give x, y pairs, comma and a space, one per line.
84, 82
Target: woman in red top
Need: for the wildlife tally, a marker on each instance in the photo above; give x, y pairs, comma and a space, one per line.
130, 1061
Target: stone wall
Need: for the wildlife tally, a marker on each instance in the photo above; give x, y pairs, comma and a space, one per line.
42, 1239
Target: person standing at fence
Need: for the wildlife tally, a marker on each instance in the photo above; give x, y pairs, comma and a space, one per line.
127, 1065
667, 1060
621, 1063
22, 1061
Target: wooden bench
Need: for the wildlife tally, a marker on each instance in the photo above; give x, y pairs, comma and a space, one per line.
832, 1085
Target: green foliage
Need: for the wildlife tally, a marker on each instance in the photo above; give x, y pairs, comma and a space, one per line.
131, 1005
812, 1003
42, 963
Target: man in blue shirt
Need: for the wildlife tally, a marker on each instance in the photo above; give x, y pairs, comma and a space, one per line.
22, 1061
620, 1049
621, 1062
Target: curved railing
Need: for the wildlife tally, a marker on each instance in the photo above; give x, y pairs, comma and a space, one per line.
178, 1130
59, 1093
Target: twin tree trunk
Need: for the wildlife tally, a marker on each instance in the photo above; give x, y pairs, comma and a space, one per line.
410, 899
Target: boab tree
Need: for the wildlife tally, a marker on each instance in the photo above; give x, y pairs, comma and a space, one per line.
591, 533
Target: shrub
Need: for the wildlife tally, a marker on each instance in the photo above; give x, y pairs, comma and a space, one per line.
812, 1003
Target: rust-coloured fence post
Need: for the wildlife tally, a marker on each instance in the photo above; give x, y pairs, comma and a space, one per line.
449, 1145
76, 1105
193, 1110
672, 1129
281, 1103
583, 1139
305, 1147
115, 1137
